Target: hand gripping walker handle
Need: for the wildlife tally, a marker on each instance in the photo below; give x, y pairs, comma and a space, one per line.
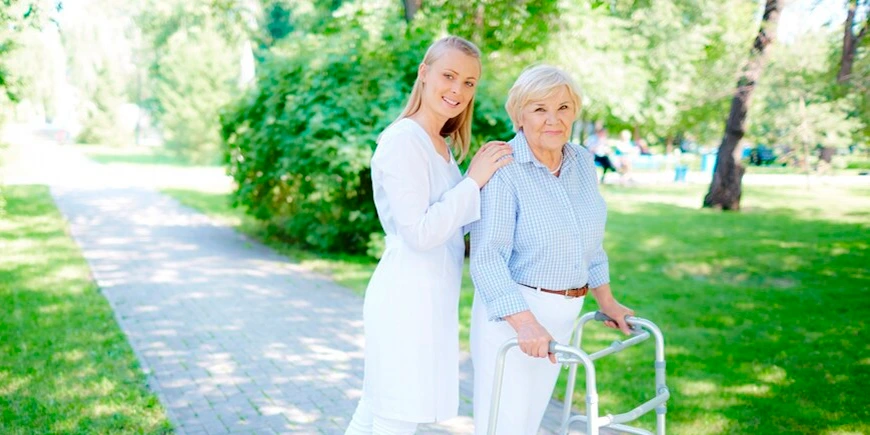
601, 317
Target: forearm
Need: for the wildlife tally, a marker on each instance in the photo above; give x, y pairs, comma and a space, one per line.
603, 295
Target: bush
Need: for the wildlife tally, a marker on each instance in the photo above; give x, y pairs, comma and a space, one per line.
195, 76
300, 144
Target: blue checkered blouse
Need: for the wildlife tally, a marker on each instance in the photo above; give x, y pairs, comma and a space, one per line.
538, 229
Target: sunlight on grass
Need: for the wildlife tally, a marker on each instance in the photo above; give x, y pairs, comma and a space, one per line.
67, 367
709, 425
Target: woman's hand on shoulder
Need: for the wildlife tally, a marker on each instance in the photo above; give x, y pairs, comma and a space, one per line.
490, 157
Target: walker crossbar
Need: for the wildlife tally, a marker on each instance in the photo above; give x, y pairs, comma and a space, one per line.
642, 329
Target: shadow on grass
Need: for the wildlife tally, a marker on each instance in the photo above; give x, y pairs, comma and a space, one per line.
763, 315
65, 365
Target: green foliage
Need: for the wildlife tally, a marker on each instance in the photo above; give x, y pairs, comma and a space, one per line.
662, 67
100, 121
193, 72
19, 21
860, 87
503, 25
97, 49
299, 145
797, 104
194, 78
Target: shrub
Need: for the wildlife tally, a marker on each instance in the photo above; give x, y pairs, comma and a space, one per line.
299, 145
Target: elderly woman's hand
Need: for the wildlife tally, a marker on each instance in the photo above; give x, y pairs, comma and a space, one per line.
489, 158
618, 312
608, 305
534, 340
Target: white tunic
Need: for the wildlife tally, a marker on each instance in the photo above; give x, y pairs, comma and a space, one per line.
411, 304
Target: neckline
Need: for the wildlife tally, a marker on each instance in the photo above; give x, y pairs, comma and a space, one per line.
449, 161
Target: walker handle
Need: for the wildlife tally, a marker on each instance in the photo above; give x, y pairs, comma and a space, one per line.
601, 317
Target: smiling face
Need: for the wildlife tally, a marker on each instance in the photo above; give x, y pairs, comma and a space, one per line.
547, 122
449, 83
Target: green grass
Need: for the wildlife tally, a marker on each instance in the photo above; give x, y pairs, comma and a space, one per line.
763, 311
134, 155
65, 365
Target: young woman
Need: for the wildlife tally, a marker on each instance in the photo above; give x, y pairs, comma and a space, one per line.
423, 201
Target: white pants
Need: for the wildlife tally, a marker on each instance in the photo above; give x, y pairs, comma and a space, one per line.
366, 423
528, 382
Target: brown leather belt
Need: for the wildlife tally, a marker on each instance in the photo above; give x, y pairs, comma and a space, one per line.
571, 293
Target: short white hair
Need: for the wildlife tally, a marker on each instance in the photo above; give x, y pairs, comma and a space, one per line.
537, 83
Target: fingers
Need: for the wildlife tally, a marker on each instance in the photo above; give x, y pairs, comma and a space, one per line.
538, 347
623, 326
497, 152
489, 146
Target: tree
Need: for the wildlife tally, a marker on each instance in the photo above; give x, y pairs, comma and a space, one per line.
194, 50
17, 18
851, 40
97, 44
725, 189
411, 8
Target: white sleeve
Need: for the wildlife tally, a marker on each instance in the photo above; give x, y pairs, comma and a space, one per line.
402, 164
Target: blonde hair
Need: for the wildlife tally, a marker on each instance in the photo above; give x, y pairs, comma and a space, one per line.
458, 128
537, 83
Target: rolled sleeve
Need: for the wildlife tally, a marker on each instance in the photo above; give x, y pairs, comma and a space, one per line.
491, 248
599, 269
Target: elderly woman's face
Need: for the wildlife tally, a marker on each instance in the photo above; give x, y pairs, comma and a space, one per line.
547, 123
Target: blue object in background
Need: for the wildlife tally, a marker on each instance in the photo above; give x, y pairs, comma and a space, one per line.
708, 161
680, 173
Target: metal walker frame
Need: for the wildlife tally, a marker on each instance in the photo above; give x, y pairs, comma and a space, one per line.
572, 356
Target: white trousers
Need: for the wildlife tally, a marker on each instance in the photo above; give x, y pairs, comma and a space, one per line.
528, 382
366, 423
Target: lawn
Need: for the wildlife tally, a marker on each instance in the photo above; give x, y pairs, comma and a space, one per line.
65, 365
763, 311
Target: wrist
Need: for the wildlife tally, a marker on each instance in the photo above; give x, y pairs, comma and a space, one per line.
520, 319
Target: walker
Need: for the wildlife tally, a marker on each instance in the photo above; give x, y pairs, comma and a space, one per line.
572, 355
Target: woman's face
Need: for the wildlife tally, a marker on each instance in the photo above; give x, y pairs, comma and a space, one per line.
547, 123
449, 83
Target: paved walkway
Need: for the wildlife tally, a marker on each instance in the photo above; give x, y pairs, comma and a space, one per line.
233, 337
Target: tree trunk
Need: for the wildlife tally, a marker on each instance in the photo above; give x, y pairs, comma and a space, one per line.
725, 189
411, 8
850, 43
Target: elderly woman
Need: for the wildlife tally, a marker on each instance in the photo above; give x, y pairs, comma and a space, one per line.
535, 252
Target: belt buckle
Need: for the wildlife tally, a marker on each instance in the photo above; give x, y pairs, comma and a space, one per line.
567, 296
